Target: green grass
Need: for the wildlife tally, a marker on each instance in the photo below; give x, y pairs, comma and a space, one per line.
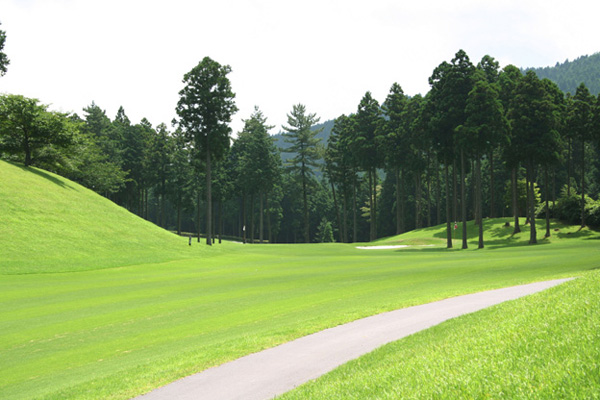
50, 224
544, 346
119, 318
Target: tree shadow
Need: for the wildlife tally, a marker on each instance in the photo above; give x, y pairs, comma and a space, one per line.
43, 174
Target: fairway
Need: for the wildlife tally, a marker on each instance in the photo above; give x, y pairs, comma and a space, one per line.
119, 328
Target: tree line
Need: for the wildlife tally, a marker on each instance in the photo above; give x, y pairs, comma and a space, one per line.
483, 142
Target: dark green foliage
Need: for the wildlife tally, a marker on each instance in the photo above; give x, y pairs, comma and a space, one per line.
205, 107
570, 74
324, 232
304, 145
34, 135
4, 61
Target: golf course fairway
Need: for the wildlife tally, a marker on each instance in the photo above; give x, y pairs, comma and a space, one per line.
99, 304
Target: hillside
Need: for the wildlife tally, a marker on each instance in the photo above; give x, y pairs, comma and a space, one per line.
51, 224
571, 74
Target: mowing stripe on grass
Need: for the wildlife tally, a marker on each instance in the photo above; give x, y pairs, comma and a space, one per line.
274, 371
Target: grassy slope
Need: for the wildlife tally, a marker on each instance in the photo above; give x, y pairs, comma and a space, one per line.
544, 346
50, 224
115, 333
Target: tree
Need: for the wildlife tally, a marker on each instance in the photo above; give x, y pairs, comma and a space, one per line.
205, 107
484, 128
508, 81
581, 120
397, 146
535, 132
4, 61
366, 150
259, 163
304, 146
450, 87
30, 132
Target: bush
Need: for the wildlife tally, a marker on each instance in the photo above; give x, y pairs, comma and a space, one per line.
568, 209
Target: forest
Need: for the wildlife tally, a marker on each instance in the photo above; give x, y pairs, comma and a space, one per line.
484, 142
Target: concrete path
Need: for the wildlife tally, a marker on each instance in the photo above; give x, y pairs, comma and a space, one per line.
275, 371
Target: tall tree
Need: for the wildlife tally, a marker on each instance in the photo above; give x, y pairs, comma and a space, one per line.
4, 61
450, 87
508, 81
484, 128
581, 120
534, 124
304, 147
396, 148
366, 149
205, 107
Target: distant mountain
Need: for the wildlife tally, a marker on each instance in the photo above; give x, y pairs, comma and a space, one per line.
567, 76
323, 135
571, 74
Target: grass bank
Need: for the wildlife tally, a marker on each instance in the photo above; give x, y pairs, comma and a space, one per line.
544, 346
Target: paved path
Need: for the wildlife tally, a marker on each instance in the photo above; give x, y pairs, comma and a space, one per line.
277, 370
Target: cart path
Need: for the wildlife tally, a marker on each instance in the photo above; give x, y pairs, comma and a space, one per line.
274, 371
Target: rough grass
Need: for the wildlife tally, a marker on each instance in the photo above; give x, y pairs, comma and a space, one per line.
544, 346
123, 318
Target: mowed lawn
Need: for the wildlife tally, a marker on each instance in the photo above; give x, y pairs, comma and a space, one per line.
97, 303
543, 346
115, 333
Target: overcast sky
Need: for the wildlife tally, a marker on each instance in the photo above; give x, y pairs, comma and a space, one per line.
324, 54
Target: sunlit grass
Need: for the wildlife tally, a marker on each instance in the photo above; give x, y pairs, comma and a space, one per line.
544, 346
132, 307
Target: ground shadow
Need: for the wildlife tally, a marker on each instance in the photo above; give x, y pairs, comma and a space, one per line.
43, 174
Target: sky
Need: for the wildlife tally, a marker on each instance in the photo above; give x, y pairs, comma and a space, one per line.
325, 54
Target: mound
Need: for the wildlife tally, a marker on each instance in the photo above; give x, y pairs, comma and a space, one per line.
51, 224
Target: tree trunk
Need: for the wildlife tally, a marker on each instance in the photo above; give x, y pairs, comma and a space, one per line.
492, 191
220, 219
528, 213
208, 196
438, 207
478, 201
305, 199
515, 200
547, 202
252, 218
355, 227
455, 200
569, 169
179, 215
583, 183
198, 222
345, 214
402, 201
372, 219
448, 223
337, 212
417, 200
27, 149
463, 203
428, 192
244, 217
474, 191
533, 232
398, 216
261, 223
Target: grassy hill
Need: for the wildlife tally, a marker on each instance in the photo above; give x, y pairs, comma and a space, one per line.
135, 307
51, 224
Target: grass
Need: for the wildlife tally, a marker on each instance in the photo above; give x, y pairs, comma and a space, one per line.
50, 224
544, 346
116, 320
